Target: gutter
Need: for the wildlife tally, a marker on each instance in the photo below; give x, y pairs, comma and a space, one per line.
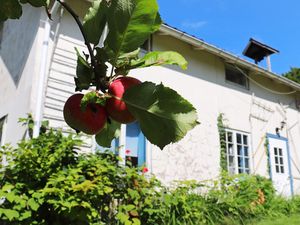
228, 57
43, 74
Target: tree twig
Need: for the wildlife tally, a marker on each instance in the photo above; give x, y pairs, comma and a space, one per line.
99, 84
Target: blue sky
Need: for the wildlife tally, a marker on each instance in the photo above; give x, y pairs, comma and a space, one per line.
228, 24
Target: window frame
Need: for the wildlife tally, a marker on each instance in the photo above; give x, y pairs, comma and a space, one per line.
1, 33
279, 160
232, 68
3, 120
119, 146
235, 169
149, 43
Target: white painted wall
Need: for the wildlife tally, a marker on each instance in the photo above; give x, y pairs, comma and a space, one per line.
197, 156
19, 60
62, 70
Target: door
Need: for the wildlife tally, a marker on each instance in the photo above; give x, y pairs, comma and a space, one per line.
135, 144
280, 165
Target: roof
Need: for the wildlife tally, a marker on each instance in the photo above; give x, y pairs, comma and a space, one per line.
228, 57
257, 50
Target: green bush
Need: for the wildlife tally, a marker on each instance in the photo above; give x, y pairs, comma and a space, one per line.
45, 181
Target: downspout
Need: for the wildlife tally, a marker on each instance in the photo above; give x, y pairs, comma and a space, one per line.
43, 74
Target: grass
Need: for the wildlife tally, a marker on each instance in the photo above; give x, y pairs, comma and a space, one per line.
286, 220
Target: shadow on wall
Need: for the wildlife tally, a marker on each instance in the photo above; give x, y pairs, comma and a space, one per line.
17, 40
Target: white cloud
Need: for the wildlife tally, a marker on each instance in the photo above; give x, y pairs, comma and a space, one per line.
193, 25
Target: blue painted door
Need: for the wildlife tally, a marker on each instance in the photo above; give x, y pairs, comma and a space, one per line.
135, 144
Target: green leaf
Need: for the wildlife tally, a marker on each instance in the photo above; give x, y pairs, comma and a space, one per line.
124, 60
33, 204
84, 73
35, 3
164, 115
130, 23
7, 187
10, 196
108, 133
160, 58
10, 9
136, 221
95, 20
25, 215
10, 214
92, 97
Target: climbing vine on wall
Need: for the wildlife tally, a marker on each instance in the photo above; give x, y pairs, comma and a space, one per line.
267, 154
222, 139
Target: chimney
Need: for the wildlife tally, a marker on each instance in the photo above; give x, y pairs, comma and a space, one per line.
258, 51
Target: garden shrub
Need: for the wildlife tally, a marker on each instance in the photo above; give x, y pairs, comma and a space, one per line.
46, 181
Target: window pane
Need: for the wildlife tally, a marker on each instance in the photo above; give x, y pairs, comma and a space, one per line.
241, 170
277, 169
245, 139
132, 161
279, 151
1, 33
231, 170
241, 162
281, 160
230, 149
276, 160
1, 127
246, 153
239, 138
240, 150
231, 161
246, 163
282, 169
132, 138
275, 151
229, 136
235, 76
146, 46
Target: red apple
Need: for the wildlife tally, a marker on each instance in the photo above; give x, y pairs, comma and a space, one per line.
90, 121
115, 107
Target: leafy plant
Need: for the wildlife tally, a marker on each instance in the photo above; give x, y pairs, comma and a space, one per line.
222, 138
129, 23
45, 181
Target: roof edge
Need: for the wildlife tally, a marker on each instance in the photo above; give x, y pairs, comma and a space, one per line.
230, 58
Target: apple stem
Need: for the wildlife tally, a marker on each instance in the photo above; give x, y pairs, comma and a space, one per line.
99, 84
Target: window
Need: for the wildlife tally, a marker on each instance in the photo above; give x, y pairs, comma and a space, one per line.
147, 45
279, 166
235, 76
237, 147
1, 32
135, 145
2, 124
114, 147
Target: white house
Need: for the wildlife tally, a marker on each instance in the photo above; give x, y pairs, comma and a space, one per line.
37, 67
